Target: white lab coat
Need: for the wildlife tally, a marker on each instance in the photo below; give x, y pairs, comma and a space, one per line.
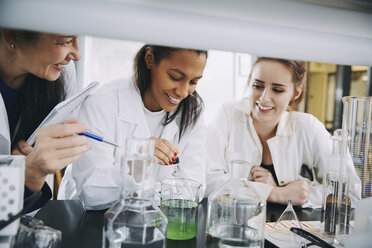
300, 139
69, 79
116, 113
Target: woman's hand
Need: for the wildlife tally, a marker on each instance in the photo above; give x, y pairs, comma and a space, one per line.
165, 151
262, 175
56, 146
298, 191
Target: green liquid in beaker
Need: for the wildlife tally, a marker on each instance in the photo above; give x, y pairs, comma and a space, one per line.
182, 218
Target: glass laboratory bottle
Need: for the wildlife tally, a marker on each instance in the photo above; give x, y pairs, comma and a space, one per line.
236, 213
135, 220
336, 205
330, 211
344, 211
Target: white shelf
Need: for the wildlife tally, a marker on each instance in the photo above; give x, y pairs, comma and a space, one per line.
278, 28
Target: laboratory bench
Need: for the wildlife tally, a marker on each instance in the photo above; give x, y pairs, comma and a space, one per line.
81, 228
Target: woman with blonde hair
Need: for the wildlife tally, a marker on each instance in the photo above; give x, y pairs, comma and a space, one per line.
288, 150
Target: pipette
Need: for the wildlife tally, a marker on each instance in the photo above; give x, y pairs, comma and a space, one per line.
98, 138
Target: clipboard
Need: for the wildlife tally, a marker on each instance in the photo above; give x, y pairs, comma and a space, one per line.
63, 110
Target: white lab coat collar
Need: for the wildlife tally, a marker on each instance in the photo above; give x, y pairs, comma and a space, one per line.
134, 114
4, 129
284, 127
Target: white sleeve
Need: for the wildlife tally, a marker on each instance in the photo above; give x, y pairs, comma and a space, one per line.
96, 172
217, 142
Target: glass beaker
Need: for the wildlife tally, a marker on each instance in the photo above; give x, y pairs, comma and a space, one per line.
179, 202
236, 212
135, 221
357, 121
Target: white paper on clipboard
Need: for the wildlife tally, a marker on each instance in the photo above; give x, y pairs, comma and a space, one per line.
63, 110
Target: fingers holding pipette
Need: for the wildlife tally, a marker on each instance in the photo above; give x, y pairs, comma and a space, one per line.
55, 147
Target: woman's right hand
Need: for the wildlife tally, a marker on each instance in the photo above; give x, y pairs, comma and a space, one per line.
165, 151
56, 146
298, 191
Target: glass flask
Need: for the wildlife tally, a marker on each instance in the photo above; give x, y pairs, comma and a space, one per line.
357, 121
289, 215
236, 212
281, 229
135, 220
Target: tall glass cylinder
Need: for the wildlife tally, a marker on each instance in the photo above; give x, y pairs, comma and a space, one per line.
236, 213
357, 121
135, 221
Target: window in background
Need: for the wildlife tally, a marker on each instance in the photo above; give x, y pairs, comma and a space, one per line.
107, 59
327, 84
358, 86
319, 97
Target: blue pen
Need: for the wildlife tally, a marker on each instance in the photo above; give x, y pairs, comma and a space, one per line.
93, 136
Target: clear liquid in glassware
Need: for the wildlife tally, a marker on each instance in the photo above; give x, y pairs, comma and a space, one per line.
230, 235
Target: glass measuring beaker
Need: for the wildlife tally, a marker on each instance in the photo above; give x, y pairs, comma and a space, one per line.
236, 212
179, 202
357, 121
135, 221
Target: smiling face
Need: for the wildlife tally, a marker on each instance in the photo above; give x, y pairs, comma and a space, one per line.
47, 57
173, 78
271, 88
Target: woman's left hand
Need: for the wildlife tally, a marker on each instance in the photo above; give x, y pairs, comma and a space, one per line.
56, 146
262, 175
